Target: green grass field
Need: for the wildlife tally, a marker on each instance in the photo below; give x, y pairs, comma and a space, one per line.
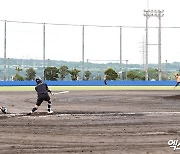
70, 88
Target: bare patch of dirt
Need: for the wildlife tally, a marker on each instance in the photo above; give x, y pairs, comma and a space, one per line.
101, 122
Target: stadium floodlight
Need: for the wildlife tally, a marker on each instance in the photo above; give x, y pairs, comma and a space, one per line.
159, 14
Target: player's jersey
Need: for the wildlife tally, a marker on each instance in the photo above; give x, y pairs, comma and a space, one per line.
178, 78
41, 88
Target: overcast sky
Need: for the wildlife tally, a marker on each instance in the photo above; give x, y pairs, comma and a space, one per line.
102, 43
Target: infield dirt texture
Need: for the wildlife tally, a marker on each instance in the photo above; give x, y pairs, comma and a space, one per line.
100, 122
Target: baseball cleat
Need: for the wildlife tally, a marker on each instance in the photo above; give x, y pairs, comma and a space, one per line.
50, 112
4, 109
29, 113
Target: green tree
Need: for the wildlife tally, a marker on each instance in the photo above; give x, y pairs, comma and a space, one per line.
63, 71
153, 74
74, 74
111, 74
87, 75
132, 75
51, 73
18, 77
136, 75
30, 74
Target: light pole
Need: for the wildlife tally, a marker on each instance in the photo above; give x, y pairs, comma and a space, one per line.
83, 52
44, 48
87, 64
5, 50
166, 71
8, 71
126, 68
159, 14
48, 62
147, 14
121, 53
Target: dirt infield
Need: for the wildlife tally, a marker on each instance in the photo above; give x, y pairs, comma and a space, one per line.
100, 122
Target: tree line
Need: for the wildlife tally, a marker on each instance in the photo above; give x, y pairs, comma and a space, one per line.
53, 74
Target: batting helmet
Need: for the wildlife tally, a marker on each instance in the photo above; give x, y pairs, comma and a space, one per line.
38, 80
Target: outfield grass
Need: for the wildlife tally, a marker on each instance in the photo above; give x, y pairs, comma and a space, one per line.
70, 88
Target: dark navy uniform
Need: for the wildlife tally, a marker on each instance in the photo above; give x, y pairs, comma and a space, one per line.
42, 93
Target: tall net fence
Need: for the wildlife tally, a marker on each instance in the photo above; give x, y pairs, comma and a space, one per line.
80, 43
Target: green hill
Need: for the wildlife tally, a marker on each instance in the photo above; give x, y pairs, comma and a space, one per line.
94, 68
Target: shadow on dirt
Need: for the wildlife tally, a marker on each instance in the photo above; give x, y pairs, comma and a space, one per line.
172, 97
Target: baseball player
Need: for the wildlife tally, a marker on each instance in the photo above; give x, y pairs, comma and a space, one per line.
105, 80
42, 95
177, 76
